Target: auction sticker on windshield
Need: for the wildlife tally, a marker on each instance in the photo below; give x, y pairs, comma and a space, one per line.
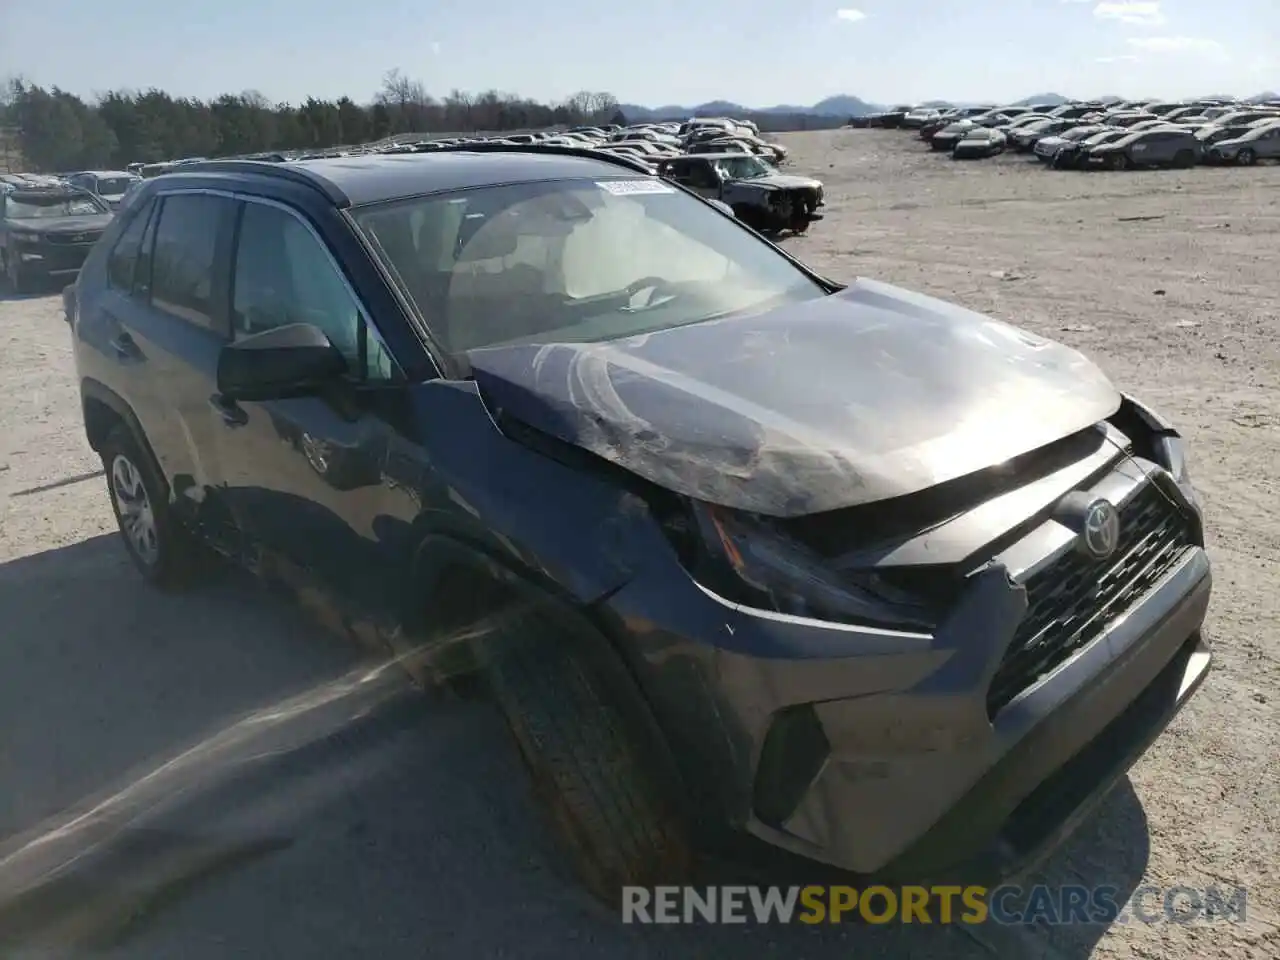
628, 188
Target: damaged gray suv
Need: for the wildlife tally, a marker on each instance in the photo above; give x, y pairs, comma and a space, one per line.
751, 560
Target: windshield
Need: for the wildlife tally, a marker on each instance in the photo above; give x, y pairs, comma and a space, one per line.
48, 208
744, 168
574, 261
114, 186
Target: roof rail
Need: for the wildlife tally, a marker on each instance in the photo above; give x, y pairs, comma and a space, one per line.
265, 168
588, 153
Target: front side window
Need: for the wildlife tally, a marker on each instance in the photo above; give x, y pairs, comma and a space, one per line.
574, 260
183, 261
283, 274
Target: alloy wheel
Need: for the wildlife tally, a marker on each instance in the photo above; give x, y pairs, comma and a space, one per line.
137, 517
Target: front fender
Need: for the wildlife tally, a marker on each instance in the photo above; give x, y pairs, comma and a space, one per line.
735, 194
571, 525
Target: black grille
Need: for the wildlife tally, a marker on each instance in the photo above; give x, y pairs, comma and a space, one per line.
90, 236
1071, 601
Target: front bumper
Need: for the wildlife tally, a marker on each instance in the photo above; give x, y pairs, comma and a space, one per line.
977, 152
880, 753
50, 259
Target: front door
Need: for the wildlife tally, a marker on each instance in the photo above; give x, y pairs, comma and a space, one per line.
698, 176
305, 476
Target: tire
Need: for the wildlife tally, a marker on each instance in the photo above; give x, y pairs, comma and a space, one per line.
1184, 159
165, 553
1119, 162
593, 763
1246, 157
17, 279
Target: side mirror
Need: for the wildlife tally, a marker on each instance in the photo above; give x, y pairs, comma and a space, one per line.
723, 207
290, 361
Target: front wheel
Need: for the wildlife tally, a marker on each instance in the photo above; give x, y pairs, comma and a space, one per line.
1119, 162
592, 765
1246, 157
1184, 159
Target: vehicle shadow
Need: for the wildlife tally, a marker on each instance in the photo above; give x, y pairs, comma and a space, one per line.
9, 297
210, 775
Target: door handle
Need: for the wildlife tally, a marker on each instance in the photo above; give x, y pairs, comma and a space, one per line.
124, 346
232, 414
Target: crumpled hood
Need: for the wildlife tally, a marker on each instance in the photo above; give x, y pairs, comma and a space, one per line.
871, 393
91, 224
783, 181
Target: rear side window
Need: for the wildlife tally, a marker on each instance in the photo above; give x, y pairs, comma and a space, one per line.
122, 264
185, 257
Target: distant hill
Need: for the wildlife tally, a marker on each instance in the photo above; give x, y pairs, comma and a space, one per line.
1264, 96
1056, 99
824, 112
838, 106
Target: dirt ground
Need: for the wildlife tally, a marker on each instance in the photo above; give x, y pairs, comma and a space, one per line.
399, 826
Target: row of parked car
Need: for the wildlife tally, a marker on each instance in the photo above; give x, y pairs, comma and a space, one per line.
109, 186
723, 159
1116, 136
48, 223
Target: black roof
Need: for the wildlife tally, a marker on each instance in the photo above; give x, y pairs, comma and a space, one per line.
370, 178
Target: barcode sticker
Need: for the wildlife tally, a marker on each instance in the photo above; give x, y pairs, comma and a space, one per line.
625, 188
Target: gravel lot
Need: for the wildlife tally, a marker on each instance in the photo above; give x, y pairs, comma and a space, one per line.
214, 776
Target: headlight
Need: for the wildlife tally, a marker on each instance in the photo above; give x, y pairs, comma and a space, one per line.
24, 236
753, 564
1172, 452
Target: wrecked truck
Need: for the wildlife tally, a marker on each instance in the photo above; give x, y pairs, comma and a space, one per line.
761, 197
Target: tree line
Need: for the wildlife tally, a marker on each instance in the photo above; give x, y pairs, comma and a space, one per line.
58, 131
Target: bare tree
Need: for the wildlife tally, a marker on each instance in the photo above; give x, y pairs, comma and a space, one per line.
406, 100
587, 106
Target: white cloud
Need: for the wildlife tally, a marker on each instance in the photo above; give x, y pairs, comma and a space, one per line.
1120, 58
435, 46
1145, 13
1197, 46
850, 15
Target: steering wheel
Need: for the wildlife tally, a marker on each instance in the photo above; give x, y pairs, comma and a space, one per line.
656, 284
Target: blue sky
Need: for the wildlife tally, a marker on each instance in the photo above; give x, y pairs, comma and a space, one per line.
758, 52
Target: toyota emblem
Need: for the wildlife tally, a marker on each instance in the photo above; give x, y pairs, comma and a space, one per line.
1101, 530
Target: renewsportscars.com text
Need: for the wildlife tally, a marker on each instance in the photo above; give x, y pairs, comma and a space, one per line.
1006, 905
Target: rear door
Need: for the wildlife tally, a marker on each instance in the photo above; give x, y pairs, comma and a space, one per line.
173, 323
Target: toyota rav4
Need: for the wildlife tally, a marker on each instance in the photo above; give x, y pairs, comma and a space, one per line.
751, 559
